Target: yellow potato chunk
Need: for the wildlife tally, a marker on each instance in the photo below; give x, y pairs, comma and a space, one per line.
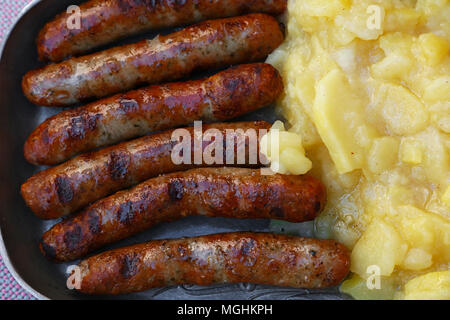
446, 196
394, 66
285, 151
295, 161
431, 286
417, 227
380, 245
411, 151
438, 90
397, 42
403, 19
434, 48
383, 154
417, 259
399, 195
403, 113
436, 160
290, 140
425, 230
276, 140
337, 113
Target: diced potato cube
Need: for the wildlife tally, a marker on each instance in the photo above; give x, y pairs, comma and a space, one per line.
295, 161
425, 230
404, 19
380, 245
417, 259
285, 151
411, 151
402, 111
275, 141
383, 154
366, 134
399, 195
438, 90
434, 48
397, 42
337, 114
436, 157
446, 196
417, 227
290, 140
431, 286
394, 66
440, 116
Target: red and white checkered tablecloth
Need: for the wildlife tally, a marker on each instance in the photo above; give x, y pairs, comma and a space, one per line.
9, 288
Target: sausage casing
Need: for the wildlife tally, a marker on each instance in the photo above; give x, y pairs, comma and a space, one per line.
260, 258
214, 192
207, 45
118, 19
63, 189
226, 95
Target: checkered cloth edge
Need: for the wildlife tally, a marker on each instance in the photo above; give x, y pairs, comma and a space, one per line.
9, 288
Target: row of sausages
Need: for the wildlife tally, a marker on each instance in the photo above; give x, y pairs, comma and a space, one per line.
91, 168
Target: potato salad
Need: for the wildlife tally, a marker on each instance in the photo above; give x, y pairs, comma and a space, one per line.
367, 91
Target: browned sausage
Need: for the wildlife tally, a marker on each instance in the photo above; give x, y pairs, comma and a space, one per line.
213, 192
223, 96
260, 258
63, 189
104, 21
207, 45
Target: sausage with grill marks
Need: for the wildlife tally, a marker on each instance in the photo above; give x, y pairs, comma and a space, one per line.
259, 258
207, 45
226, 95
104, 21
214, 192
70, 186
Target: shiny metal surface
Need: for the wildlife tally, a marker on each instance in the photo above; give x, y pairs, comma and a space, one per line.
20, 230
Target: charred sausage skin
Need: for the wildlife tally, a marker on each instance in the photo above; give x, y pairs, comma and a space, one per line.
214, 192
64, 189
223, 96
260, 258
103, 21
205, 46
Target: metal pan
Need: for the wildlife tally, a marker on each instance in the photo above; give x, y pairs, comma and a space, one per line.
20, 230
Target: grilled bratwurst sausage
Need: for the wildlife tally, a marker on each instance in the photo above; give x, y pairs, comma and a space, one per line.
223, 96
106, 21
213, 192
63, 189
208, 45
260, 258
